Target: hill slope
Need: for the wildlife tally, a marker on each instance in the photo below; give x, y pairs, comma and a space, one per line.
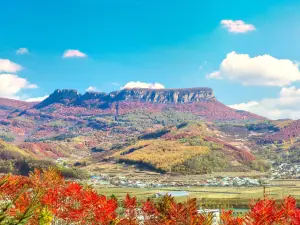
8, 106
191, 147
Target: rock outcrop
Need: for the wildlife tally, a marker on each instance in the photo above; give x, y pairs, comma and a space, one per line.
172, 96
65, 96
187, 95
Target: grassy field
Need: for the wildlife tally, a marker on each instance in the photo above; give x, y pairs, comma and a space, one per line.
212, 197
276, 192
228, 196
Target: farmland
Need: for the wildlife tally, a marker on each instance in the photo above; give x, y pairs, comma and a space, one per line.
227, 193
238, 197
210, 196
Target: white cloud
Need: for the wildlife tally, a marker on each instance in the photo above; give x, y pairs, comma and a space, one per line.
138, 84
287, 105
214, 75
91, 89
245, 106
22, 51
260, 70
237, 26
37, 99
8, 66
73, 53
11, 85
31, 86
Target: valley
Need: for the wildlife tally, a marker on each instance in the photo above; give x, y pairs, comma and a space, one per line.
148, 141
150, 112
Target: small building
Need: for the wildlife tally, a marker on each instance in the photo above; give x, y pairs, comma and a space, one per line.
216, 220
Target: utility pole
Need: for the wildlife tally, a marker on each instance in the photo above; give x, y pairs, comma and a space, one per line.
188, 173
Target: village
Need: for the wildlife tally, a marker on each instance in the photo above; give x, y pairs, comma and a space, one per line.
122, 181
282, 171
286, 171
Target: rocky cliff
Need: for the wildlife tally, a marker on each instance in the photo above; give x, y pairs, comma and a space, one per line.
173, 96
66, 113
165, 95
65, 96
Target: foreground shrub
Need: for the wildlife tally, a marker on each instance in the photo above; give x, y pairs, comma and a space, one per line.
73, 203
20, 197
267, 212
44, 197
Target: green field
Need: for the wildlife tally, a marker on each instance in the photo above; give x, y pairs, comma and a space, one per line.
208, 192
214, 196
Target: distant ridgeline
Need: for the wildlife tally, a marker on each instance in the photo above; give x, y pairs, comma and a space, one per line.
100, 99
137, 108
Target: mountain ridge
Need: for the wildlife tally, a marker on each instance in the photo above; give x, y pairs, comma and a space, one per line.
95, 124
184, 95
64, 103
66, 113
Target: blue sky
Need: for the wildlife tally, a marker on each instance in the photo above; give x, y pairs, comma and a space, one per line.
174, 43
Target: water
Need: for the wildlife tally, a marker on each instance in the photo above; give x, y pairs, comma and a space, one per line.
176, 193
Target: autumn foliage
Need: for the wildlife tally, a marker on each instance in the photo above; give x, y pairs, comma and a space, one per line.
160, 154
46, 198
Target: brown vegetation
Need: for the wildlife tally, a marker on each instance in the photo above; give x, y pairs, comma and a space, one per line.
160, 154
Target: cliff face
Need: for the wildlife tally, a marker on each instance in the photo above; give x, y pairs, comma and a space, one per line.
94, 95
166, 95
65, 96
173, 96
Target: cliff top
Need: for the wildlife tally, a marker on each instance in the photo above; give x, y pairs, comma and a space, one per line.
176, 95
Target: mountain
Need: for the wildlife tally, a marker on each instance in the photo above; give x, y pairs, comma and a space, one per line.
66, 113
198, 101
163, 96
95, 126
